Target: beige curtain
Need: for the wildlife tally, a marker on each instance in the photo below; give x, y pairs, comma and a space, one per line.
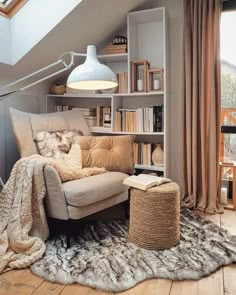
201, 104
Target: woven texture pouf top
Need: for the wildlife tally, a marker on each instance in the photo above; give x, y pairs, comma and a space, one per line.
154, 216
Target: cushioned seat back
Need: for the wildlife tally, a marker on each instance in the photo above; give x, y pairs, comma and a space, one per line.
27, 125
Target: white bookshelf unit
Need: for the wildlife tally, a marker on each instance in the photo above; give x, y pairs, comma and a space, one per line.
146, 34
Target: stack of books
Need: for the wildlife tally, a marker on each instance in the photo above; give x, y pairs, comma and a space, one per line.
89, 115
115, 49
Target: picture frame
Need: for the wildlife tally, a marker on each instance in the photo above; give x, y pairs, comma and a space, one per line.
139, 70
155, 80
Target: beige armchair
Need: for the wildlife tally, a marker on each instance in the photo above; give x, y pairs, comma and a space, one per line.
73, 199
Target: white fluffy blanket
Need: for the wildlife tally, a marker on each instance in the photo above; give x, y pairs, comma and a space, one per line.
23, 223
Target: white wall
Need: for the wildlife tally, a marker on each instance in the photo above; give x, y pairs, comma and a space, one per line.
175, 11
34, 12
21, 33
31, 101
28, 26
175, 16
5, 37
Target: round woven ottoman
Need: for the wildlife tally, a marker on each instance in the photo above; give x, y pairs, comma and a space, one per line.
154, 217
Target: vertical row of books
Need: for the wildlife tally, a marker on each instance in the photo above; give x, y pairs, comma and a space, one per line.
122, 79
62, 108
148, 119
103, 115
96, 117
143, 153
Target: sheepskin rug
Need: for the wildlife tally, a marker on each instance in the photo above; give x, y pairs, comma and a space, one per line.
101, 256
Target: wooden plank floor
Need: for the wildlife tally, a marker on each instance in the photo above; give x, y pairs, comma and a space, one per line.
223, 281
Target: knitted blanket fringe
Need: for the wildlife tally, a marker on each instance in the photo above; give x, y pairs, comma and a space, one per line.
23, 223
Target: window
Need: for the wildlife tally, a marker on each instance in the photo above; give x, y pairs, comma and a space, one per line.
228, 96
228, 85
10, 7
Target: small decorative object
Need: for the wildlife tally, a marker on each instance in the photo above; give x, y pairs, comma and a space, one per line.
139, 70
58, 89
224, 200
155, 80
140, 81
158, 156
119, 40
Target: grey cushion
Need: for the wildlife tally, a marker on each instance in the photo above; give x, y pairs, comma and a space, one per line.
95, 188
80, 212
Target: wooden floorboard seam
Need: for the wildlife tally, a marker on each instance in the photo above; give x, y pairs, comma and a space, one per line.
62, 289
171, 287
37, 286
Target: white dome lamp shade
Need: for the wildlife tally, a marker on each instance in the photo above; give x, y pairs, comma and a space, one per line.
92, 75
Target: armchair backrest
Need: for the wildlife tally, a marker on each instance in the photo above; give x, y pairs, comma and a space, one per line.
27, 125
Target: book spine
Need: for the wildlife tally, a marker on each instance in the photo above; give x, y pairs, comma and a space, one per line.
159, 118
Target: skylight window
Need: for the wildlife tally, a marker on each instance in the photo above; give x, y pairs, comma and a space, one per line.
10, 7
4, 3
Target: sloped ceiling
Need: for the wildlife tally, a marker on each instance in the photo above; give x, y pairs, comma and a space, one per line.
91, 22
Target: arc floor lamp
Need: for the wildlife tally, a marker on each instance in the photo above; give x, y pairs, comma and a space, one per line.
91, 75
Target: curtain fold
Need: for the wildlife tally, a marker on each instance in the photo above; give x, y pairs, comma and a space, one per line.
201, 105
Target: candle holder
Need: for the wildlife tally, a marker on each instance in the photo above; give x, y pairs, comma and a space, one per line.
155, 80
139, 70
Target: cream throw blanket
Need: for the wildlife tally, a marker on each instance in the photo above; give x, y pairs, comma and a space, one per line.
23, 223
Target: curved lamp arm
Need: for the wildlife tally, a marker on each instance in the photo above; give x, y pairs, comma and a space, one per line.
60, 60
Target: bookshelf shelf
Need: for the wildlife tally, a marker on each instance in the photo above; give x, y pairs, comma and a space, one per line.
131, 111
100, 130
111, 58
97, 95
149, 167
106, 130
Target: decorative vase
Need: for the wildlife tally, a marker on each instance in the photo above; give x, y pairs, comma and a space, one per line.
158, 156
58, 89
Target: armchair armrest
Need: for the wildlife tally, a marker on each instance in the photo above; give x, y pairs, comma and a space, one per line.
55, 201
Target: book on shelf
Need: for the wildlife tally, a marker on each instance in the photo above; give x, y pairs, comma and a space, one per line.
89, 115
115, 49
103, 116
143, 153
62, 108
122, 79
86, 111
145, 181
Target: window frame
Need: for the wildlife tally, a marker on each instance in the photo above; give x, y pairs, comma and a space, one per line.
229, 5
11, 9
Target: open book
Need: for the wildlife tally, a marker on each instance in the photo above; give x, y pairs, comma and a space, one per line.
144, 181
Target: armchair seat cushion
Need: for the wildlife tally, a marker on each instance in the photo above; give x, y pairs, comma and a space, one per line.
86, 191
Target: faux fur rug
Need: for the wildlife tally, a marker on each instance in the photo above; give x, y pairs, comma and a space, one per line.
102, 257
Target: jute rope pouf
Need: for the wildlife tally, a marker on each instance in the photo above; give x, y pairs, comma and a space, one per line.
154, 216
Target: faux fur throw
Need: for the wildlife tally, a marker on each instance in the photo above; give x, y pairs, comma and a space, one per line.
23, 224
55, 144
